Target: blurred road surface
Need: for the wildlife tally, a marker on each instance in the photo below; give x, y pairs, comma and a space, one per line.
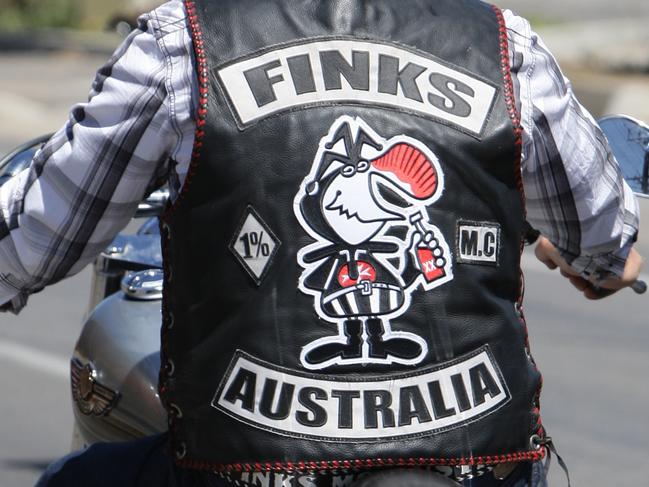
571, 10
593, 355
36, 91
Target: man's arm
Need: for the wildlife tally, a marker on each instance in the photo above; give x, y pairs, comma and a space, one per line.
575, 194
85, 184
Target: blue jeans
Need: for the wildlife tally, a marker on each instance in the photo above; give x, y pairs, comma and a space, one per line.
145, 463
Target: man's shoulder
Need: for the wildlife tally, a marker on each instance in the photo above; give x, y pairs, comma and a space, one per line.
167, 18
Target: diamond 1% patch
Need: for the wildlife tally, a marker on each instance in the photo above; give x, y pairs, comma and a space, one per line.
254, 245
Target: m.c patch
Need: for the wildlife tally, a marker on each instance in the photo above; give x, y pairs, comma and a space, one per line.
478, 243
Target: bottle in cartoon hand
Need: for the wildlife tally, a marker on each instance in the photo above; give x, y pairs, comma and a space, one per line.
429, 253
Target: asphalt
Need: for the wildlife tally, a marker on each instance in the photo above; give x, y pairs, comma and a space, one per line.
560, 11
50, 40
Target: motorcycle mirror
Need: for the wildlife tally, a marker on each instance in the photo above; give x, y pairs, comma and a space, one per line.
20, 158
629, 141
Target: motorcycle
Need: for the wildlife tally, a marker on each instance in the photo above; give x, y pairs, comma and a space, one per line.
115, 364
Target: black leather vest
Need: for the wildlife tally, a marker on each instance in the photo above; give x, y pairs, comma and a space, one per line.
342, 266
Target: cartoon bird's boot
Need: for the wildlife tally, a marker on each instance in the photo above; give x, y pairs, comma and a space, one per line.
382, 347
350, 349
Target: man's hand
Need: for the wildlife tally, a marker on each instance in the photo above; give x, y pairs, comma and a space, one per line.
549, 255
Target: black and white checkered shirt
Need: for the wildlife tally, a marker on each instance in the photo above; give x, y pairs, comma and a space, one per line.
138, 128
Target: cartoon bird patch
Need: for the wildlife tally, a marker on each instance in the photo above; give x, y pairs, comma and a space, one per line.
361, 270
361, 186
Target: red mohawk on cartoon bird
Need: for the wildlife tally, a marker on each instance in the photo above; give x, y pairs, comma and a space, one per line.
409, 166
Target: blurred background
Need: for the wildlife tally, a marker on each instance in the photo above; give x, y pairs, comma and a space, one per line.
593, 355
73, 14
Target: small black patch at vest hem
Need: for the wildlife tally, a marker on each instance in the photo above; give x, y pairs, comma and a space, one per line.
258, 245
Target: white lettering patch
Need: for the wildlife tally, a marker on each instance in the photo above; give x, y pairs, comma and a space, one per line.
346, 408
478, 243
337, 71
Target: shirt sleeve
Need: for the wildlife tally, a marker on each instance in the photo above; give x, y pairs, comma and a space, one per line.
85, 184
575, 193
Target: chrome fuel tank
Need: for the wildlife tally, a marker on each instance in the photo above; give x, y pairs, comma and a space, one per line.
114, 372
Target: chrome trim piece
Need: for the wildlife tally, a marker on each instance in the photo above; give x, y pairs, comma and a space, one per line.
144, 285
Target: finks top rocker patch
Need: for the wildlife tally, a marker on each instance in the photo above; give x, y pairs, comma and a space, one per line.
360, 186
335, 71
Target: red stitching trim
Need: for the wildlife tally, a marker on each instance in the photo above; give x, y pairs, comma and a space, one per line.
510, 99
371, 463
203, 88
202, 74
515, 117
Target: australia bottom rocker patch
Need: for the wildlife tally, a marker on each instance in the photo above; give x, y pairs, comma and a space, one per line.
372, 408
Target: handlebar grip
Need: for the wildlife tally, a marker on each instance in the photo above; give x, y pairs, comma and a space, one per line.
640, 287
